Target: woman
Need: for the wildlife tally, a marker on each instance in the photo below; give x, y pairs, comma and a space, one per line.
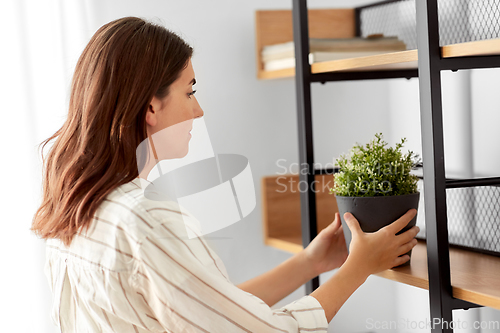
120, 262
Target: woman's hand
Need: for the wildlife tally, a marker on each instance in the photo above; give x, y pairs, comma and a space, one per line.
375, 252
327, 250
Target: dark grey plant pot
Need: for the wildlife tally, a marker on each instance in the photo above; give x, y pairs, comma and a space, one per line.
374, 213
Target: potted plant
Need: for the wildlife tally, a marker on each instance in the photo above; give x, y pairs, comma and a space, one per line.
375, 185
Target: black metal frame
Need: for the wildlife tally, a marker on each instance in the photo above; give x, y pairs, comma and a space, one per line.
461, 183
368, 75
438, 257
305, 131
430, 65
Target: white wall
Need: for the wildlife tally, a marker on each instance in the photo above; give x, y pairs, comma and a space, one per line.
257, 119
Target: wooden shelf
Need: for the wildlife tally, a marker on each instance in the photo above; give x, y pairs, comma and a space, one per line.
379, 62
281, 209
392, 61
474, 276
275, 27
279, 74
289, 244
472, 49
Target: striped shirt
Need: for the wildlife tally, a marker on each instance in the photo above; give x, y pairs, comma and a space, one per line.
136, 270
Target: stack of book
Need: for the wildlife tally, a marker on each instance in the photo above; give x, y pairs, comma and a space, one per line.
280, 56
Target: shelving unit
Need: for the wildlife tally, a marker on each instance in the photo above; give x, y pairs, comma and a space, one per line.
456, 278
391, 61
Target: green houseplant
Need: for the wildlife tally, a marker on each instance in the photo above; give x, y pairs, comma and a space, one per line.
375, 184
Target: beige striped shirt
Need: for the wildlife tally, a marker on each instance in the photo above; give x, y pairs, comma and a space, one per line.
136, 270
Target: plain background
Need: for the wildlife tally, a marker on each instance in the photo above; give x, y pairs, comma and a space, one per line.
41, 43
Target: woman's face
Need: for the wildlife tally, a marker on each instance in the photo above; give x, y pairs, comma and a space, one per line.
170, 120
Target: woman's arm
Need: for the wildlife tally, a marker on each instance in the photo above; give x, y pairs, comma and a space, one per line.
282, 280
370, 253
326, 252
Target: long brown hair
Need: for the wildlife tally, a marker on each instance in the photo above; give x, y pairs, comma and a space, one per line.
126, 63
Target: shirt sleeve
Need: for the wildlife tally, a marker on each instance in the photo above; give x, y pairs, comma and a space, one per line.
184, 295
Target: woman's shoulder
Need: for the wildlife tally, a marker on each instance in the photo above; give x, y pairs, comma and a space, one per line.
120, 226
133, 206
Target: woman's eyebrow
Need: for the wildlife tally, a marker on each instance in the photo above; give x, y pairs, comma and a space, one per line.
193, 82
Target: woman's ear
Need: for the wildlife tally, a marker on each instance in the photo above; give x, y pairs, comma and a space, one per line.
152, 114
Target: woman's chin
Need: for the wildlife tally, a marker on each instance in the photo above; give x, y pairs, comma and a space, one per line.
182, 153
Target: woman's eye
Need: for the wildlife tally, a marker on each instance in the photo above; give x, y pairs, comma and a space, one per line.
191, 93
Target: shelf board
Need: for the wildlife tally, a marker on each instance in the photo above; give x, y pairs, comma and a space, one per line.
470, 49
392, 61
379, 62
474, 276
278, 74
289, 244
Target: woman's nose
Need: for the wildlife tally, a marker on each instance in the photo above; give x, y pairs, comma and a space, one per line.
198, 111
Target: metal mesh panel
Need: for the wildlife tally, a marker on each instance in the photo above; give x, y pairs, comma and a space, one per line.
484, 19
391, 19
468, 20
473, 218
473, 213
459, 21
